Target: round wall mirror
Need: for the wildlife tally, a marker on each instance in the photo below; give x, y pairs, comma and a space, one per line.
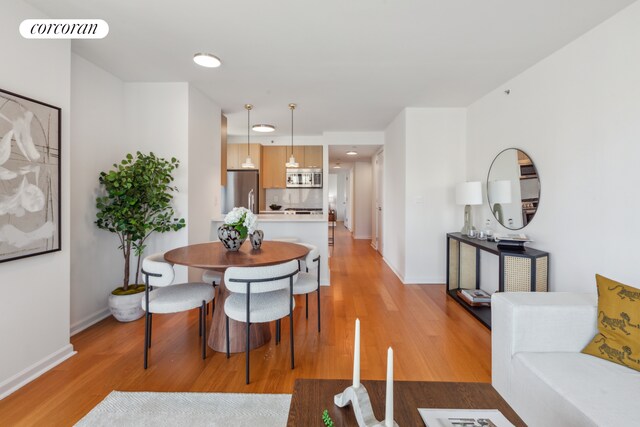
513, 188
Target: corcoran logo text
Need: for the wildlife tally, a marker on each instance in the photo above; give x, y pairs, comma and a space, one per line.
64, 29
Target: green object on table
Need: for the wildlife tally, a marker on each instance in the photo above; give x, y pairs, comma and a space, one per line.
328, 422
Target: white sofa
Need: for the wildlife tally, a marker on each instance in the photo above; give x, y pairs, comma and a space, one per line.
538, 369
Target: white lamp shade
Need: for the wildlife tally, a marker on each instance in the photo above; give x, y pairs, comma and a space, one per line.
499, 191
292, 162
469, 193
248, 163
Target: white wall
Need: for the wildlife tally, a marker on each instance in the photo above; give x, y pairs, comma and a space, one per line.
204, 169
341, 198
363, 190
435, 163
97, 135
424, 159
349, 216
340, 177
353, 138
34, 308
333, 190
377, 164
170, 119
267, 140
394, 194
157, 120
576, 114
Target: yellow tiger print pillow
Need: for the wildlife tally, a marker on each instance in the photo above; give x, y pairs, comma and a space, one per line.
618, 339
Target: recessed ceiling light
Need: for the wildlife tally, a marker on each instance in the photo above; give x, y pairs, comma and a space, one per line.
207, 60
352, 153
263, 128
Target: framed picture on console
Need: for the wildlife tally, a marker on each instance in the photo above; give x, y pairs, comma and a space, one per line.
29, 177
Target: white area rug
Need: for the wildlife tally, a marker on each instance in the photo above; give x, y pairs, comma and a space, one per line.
189, 409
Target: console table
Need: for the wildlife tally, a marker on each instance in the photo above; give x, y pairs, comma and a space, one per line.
524, 270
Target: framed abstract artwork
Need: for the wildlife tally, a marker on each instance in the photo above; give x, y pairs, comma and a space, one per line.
29, 177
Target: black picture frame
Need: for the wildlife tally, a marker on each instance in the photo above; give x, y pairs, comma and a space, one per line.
30, 177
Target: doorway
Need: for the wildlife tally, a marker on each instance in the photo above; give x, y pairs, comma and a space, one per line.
352, 190
378, 171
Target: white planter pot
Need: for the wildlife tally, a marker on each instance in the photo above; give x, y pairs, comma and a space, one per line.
126, 308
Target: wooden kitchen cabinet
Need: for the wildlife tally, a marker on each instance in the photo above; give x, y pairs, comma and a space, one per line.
256, 154
273, 166
312, 156
298, 153
237, 154
232, 156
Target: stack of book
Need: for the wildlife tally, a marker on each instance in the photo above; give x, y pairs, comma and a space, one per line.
475, 296
511, 241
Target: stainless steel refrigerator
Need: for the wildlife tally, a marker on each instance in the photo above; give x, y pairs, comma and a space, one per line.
242, 190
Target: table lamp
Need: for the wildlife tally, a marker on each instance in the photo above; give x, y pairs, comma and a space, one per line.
499, 192
467, 194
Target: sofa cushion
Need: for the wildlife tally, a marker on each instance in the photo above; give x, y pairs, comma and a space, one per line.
618, 340
575, 389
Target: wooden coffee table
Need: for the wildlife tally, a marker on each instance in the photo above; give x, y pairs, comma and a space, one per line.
311, 397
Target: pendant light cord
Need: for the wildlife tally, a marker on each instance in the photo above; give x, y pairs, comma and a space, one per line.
292, 131
248, 129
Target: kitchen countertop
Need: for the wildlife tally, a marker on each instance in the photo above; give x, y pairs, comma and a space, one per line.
284, 218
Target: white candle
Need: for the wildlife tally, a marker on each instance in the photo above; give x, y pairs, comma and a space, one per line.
388, 412
356, 357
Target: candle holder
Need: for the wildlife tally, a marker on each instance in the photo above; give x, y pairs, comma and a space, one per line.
358, 397
357, 394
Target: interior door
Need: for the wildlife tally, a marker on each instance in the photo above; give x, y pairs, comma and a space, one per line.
347, 203
379, 200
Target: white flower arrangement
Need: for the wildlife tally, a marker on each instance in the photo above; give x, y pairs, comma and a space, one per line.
243, 220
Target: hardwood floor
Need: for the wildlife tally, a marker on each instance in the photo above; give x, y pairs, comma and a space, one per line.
432, 336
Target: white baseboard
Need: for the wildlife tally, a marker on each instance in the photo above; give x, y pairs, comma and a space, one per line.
34, 371
362, 236
396, 272
415, 280
326, 281
90, 320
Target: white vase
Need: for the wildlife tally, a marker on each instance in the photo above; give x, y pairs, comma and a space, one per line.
126, 308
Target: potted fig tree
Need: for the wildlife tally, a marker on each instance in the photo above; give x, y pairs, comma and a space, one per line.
136, 202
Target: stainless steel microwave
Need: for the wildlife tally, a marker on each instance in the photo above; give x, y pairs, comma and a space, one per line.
304, 178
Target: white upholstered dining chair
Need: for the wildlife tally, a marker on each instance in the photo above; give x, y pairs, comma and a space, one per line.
258, 295
162, 296
213, 277
309, 280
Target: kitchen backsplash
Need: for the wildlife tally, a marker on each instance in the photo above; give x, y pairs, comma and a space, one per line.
294, 197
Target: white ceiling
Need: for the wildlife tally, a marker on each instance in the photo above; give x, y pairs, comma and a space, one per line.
350, 65
338, 153
344, 166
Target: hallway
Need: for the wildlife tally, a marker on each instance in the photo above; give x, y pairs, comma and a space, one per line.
432, 336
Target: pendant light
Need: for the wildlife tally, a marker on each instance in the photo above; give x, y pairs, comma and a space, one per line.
248, 163
292, 160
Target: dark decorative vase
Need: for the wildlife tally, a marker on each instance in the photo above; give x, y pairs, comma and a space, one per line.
256, 239
230, 237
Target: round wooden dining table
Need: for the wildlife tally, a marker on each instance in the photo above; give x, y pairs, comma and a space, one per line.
214, 256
